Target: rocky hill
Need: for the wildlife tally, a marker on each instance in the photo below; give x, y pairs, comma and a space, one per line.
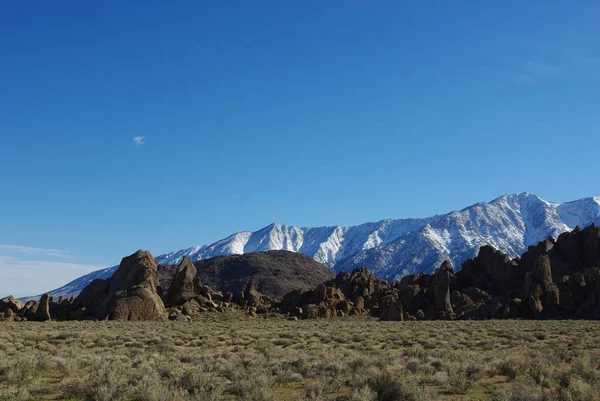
275, 273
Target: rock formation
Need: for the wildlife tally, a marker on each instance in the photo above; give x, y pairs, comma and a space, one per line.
441, 287
553, 279
10, 303
182, 287
130, 294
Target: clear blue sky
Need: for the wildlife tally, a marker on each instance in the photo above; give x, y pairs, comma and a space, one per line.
302, 113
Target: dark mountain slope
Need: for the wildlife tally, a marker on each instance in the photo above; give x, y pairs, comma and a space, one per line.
274, 272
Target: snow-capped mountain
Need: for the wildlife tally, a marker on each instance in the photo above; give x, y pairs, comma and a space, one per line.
395, 247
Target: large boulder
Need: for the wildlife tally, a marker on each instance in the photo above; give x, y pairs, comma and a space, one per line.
138, 269
133, 289
295, 299
139, 303
182, 286
393, 312
411, 297
130, 294
93, 299
191, 307
29, 310
310, 312
11, 303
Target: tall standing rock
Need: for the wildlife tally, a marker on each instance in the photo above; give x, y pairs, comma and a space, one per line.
252, 295
42, 313
320, 294
590, 307
182, 286
542, 295
441, 287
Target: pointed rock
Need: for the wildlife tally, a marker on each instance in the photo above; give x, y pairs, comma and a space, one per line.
182, 287
42, 313
441, 287
251, 294
130, 294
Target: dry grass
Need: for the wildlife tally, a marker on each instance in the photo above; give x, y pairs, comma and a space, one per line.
231, 357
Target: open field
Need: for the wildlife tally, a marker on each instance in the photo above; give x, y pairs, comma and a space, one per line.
233, 357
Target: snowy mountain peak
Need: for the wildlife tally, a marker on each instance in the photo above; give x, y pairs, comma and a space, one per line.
396, 247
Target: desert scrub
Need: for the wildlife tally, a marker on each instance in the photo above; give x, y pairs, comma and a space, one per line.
231, 357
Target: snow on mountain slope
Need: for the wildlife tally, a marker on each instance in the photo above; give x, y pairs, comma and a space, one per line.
510, 223
396, 247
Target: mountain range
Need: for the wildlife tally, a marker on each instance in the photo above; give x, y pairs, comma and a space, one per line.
393, 248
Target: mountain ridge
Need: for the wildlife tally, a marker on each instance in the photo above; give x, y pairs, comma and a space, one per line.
393, 248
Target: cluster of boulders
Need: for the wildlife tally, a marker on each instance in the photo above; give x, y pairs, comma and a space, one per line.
130, 294
344, 295
554, 279
557, 279
187, 297
133, 293
14, 310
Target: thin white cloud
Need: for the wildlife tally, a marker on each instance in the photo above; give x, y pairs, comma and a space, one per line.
531, 71
139, 140
23, 277
29, 249
537, 68
567, 55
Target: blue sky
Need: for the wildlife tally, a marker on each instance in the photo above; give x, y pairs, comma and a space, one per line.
303, 113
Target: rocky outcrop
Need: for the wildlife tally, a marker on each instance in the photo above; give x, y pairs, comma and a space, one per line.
553, 279
138, 304
42, 313
275, 273
130, 294
540, 291
491, 271
342, 296
441, 287
11, 303
183, 288
393, 312
252, 295
587, 288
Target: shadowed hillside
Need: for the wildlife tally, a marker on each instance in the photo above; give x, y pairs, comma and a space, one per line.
274, 272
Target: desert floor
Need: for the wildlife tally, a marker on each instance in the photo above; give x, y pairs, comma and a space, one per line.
235, 357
